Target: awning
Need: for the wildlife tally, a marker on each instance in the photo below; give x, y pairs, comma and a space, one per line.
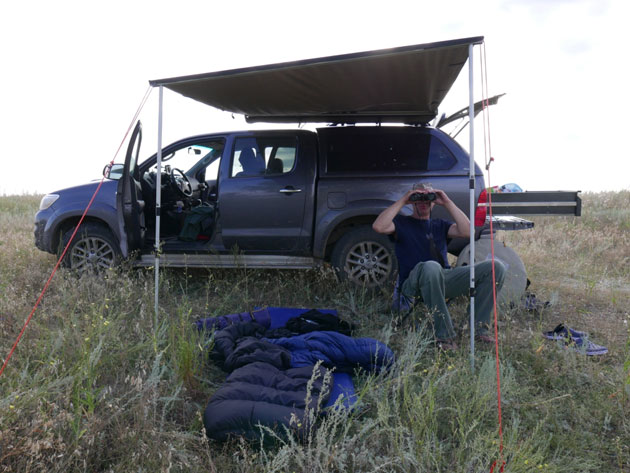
405, 85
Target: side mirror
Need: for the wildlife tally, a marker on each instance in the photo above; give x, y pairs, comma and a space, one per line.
114, 172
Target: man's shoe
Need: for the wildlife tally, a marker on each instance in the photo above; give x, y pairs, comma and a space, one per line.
446, 345
484, 338
402, 303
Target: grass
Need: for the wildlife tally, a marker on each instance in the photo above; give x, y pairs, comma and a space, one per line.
99, 384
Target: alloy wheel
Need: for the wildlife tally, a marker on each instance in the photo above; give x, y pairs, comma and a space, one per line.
92, 254
368, 263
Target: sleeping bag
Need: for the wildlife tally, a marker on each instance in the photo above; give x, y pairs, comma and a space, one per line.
270, 377
259, 393
336, 350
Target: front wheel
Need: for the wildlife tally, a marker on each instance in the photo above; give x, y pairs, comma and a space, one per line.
93, 249
365, 258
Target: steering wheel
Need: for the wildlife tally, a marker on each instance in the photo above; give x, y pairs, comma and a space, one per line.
180, 183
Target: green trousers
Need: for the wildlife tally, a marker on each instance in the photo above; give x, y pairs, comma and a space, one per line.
434, 285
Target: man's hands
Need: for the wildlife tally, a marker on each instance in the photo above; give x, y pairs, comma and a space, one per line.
408, 195
440, 196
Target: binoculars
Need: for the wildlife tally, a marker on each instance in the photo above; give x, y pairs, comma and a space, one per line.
428, 196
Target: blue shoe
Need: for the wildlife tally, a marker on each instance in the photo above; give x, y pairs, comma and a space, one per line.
586, 347
575, 340
564, 333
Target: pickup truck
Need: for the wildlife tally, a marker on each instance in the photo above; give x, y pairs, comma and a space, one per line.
259, 199
288, 198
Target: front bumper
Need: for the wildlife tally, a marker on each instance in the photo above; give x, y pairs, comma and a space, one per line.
42, 239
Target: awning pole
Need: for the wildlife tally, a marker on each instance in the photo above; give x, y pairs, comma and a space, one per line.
158, 203
471, 179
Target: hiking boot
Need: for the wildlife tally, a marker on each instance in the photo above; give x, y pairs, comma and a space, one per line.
484, 338
446, 345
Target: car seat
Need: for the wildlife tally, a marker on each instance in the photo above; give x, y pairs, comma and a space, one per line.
252, 166
275, 166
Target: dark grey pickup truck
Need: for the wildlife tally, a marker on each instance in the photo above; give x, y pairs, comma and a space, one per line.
260, 199
287, 198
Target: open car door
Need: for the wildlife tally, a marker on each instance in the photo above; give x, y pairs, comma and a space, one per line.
129, 200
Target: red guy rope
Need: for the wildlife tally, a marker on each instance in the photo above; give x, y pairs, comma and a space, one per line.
489, 160
63, 254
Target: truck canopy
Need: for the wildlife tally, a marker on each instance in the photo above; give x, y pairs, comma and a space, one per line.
402, 85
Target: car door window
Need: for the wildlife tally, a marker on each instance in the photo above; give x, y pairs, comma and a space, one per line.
279, 159
193, 157
263, 156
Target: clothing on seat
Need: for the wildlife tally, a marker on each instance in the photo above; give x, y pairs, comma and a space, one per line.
275, 166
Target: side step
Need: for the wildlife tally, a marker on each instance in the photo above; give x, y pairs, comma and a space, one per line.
229, 261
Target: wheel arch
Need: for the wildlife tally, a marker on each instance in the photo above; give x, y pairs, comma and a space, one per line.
343, 227
333, 223
71, 222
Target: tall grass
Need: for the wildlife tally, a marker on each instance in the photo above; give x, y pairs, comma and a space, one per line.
99, 384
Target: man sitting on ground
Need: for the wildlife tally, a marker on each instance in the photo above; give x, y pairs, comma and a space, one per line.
424, 272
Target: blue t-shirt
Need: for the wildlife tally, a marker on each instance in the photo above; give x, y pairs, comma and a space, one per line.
412, 242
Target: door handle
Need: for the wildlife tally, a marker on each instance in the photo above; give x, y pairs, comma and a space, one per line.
290, 190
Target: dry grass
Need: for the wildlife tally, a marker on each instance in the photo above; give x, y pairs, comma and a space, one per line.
97, 384
583, 265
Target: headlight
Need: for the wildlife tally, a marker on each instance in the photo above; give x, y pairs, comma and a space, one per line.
47, 201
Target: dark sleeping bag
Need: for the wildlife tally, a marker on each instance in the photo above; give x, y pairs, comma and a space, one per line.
270, 377
240, 344
259, 393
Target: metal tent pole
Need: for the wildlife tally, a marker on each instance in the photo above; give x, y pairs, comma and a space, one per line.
158, 203
471, 180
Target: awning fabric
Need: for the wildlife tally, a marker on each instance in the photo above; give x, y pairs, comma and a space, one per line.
405, 85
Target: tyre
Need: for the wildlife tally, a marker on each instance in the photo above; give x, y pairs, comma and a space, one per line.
365, 258
93, 249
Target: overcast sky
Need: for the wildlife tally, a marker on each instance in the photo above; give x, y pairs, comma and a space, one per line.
74, 73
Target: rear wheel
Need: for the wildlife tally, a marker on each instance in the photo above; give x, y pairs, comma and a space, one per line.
93, 249
365, 258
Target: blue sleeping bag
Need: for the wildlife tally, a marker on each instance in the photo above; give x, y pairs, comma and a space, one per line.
336, 350
270, 377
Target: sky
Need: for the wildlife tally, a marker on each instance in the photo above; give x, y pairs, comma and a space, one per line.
74, 73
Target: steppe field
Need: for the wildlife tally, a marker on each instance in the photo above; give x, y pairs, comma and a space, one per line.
99, 383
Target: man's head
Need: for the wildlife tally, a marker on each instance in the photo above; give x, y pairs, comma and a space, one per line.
422, 207
423, 186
